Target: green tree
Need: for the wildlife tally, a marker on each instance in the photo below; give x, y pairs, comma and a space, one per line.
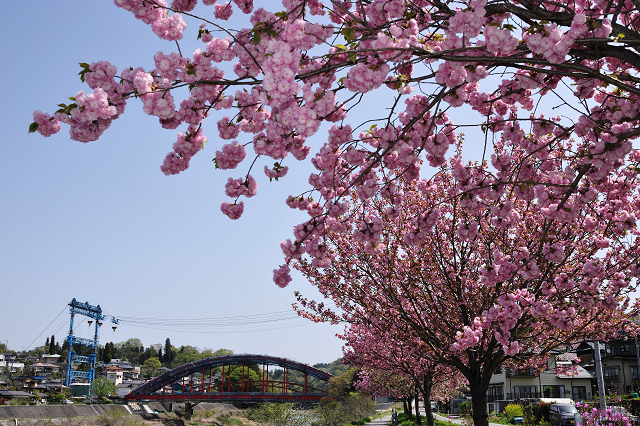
336, 367
343, 385
27, 370
132, 350
151, 365
249, 378
52, 345
102, 388
169, 353
106, 353
57, 398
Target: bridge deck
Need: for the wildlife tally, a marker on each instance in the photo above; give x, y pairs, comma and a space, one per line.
228, 396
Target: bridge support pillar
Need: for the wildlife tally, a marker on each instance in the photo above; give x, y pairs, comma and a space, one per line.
188, 410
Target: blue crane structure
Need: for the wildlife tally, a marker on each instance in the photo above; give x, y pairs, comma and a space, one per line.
94, 312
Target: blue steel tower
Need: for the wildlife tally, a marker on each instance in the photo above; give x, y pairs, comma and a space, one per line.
94, 312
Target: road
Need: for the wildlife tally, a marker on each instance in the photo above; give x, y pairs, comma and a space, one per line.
386, 420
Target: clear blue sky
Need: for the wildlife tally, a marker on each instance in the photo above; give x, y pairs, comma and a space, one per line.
101, 223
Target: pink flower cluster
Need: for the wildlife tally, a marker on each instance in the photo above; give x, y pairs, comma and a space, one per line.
184, 148
469, 21
246, 6
552, 44
280, 70
364, 78
499, 41
227, 129
237, 187
468, 337
231, 155
282, 276
153, 13
156, 101
47, 125
223, 11
276, 172
184, 5
220, 49
234, 211
381, 11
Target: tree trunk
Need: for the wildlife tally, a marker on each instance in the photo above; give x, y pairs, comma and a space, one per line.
479, 402
418, 419
405, 406
426, 396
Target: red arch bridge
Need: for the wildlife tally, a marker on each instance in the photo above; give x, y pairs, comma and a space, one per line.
236, 378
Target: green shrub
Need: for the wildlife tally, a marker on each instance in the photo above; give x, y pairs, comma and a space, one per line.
513, 410
465, 408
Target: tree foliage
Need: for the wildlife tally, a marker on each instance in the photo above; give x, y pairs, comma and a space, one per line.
102, 388
152, 365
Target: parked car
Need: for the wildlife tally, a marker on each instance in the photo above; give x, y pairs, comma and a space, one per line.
67, 401
563, 414
615, 409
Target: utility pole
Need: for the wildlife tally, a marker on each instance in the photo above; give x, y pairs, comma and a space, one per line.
601, 391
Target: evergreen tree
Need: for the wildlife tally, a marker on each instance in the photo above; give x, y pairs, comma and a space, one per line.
46, 344
106, 354
169, 352
52, 345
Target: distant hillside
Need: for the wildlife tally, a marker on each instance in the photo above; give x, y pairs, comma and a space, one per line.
335, 368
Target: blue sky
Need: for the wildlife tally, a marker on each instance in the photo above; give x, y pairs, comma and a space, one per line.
99, 222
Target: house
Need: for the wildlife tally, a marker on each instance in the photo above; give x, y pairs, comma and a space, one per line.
130, 374
6, 395
54, 387
555, 381
9, 361
129, 371
29, 383
620, 364
51, 359
46, 369
114, 375
125, 389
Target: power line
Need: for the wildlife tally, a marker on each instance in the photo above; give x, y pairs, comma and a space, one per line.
307, 323
42, 332
229, 324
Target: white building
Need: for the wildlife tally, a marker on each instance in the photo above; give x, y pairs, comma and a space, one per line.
9, 361
514, 385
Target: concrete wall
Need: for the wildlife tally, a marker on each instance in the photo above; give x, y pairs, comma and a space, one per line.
56, 411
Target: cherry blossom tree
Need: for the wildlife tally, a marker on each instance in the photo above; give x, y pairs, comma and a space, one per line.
386, 383
405, 65
391, 367
485, 276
